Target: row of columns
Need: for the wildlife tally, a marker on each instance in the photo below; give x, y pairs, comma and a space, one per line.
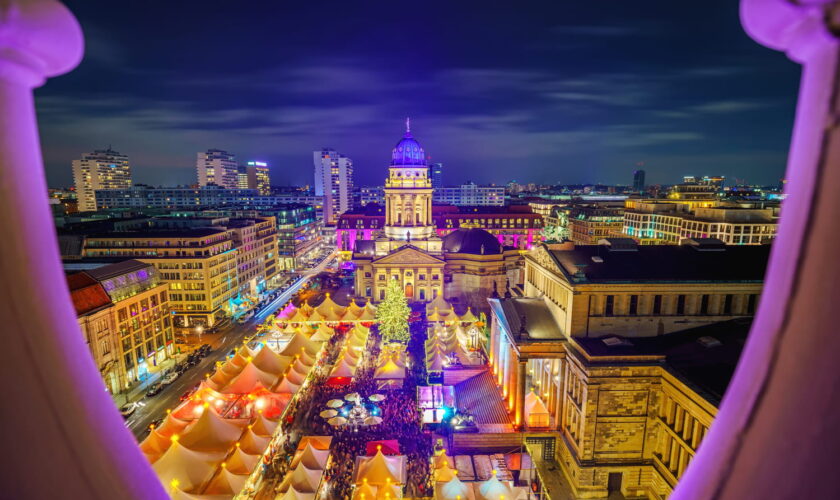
510, 373
408, 205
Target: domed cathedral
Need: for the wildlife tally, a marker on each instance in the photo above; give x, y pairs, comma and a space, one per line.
468, 264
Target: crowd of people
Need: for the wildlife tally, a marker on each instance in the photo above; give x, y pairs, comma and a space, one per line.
401, 420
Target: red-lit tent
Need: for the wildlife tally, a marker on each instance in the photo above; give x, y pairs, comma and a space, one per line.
389, 447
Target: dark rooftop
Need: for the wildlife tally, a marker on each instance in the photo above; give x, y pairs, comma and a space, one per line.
539, 322
174, 233
704, 357
471, 241
117, 269
663, 263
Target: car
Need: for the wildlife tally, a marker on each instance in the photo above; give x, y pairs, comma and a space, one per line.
128, 409
154, 390
169, 378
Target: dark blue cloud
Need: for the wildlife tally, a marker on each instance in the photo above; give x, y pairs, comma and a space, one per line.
556, 92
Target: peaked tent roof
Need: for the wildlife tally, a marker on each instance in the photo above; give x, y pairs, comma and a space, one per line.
453, 489
311, 458
226, 483
263, 426
210, 432
493, 489
468, 317
286, 387
379, 469
271, 362
343, 369
298, 342
253, 444
390, 370
329, 304
440, 303
302, 479
293, 494
190, 468
240, 462
247, 380
534, 405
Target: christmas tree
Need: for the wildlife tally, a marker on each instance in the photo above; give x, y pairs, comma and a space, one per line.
392, 314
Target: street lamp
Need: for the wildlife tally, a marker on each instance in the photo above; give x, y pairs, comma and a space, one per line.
199, 330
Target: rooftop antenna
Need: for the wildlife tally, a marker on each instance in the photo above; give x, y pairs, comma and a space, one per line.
407, 125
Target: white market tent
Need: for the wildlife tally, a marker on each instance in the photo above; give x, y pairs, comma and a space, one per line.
443, 307
390, 371
187, 468
536, 413
311, 457
453, 490
293, 494
271, 362
380, 469
302, 479
210, 432
226, 483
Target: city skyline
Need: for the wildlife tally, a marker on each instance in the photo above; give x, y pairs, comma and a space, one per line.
550, 100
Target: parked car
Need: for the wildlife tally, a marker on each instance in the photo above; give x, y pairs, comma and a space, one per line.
154, 390
127, 410
169, 378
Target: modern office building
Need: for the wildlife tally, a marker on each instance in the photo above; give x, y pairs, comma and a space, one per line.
124, 313
334, 182
470, 194
665, 222
199, 265
436, 174
365, 195
218, 168
589, 224
102, 169
639, 181
258, 177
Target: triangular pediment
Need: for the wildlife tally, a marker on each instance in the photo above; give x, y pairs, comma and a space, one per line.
408, 255
544, 258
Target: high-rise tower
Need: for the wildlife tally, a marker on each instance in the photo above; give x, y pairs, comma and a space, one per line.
408, 192
102, 169
217, 167
333, 181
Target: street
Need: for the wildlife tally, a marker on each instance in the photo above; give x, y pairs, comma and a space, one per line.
153, 408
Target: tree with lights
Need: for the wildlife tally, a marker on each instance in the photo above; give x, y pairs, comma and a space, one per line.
392, 314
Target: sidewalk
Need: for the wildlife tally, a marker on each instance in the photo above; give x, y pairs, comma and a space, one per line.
138, 390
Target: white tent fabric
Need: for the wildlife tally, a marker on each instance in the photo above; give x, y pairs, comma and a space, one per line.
493, 489
468, 317
536, 413
286, 387
263, 426
343, 369
364, 492
441, 304
210, 432
240, 462
247, 380
311, 458
293, 494
271, 362
437, 362
380, 469
226, 483
367, 315
453, 489
155, 445
329, 305
298, 342
301, 479
444, 474
253, 444
389, 371
190, 469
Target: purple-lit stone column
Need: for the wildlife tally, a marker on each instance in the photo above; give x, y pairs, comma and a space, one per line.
63, 431
775, 435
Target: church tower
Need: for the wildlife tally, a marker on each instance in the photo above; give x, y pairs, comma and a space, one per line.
408, 192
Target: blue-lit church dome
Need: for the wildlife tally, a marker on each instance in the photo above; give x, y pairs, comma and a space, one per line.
408, 150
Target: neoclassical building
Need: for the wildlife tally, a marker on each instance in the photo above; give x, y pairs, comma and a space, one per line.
466, 263
630, 349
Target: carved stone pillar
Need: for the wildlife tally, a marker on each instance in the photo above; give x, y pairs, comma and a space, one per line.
68, 438
778, 417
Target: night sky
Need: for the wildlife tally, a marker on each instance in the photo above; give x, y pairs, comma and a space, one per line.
560, 91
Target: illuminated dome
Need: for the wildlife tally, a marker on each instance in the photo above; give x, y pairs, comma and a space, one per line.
408, 151
473, 241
